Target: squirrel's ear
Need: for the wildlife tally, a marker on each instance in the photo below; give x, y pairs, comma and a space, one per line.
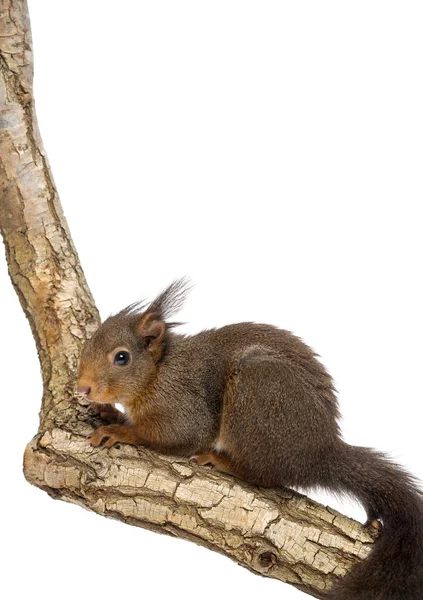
151, 329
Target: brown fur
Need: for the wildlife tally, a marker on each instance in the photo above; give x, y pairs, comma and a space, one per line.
253, 400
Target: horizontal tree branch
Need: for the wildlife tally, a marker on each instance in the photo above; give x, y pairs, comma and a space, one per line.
277, 533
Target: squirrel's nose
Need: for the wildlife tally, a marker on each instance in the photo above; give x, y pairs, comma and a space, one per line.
84, 390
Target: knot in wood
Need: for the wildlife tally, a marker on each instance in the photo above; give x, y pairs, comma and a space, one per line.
267, 559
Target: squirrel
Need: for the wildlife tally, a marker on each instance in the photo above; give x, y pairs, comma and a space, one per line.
253, 401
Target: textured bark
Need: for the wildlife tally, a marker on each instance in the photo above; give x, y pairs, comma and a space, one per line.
42, 260
276, 533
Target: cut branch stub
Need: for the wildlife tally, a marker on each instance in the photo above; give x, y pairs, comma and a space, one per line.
276, 533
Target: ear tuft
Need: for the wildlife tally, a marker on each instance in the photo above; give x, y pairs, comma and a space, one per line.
166, 304
171, 299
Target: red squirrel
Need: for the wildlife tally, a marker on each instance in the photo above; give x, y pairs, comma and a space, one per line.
254, 401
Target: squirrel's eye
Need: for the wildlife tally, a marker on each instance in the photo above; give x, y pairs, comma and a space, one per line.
121, 358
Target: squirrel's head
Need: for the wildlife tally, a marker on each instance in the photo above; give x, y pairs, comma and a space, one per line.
121, 358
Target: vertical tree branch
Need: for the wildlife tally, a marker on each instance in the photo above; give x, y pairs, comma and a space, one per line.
42, 259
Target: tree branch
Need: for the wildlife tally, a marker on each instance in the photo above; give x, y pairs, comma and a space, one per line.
42, 260
276, 533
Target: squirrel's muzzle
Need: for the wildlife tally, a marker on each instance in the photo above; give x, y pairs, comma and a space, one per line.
84, 390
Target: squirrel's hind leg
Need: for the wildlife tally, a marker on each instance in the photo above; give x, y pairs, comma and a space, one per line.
275, 427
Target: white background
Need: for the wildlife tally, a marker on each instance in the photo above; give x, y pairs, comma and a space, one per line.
270, 150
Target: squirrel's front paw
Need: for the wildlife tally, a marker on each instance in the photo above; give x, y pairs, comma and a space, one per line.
107, 412
103, 433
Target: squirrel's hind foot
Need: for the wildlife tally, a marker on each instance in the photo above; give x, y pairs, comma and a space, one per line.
217, 460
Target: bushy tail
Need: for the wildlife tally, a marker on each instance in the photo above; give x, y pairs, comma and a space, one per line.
394, 569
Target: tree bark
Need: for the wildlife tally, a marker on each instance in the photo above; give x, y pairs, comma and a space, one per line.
277, 533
